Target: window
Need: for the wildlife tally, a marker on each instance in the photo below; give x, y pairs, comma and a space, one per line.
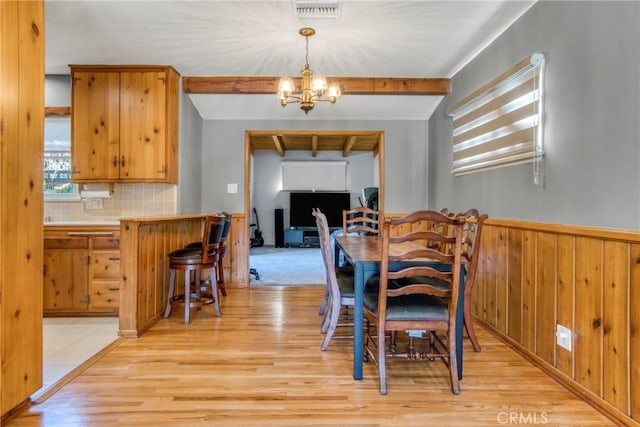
500, 123
57, 156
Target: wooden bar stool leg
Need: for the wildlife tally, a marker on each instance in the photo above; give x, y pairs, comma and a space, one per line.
197, 282
221, 279
187, 296
172, 282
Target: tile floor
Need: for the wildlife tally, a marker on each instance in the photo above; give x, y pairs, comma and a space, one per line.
69, 341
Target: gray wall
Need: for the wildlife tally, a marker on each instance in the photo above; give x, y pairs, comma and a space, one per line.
57, 90
405, 159
190, 158
591, 126
267, 179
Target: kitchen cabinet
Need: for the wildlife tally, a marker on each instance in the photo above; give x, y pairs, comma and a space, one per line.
124, 123
81, 271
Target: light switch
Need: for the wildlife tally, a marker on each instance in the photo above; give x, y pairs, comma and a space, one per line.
232, 188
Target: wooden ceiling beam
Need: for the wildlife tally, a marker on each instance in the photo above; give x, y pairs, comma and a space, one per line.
348, 85
314, 145
279, 143
57, 111
349, 145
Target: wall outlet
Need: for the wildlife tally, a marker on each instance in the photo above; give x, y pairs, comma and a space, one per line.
232, 188
93, 203
563, 337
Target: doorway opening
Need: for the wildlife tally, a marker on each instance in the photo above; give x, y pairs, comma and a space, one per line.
265, 150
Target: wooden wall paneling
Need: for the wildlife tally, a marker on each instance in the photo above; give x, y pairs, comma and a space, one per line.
158, 300
529, 290
514, 280
634, 331
546, 296
604, 318
565, 299
162, 271
148, 234
129, 265
477, 294
238, 251
502, 278
490, 286
588, 314
158, 248
145, 245
21, 200
615, 321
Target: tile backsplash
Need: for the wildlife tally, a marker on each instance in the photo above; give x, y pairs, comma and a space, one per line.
127, 200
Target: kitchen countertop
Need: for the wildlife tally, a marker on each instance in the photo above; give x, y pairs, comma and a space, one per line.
81, 223
164, 218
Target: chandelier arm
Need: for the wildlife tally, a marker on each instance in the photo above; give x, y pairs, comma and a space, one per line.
313, 89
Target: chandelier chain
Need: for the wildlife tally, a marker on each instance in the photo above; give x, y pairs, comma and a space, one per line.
306, 50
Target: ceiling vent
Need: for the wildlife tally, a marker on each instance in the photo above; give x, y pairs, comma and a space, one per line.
306, 9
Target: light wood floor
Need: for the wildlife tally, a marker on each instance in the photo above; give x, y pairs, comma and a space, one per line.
261, 365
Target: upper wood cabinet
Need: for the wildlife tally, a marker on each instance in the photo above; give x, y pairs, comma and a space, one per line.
124, 122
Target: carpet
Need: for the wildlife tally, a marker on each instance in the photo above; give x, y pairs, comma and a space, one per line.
287, 266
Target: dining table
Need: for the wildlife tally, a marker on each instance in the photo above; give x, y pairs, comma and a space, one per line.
364, 252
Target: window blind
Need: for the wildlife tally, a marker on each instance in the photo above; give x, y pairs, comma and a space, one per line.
314, 175
500, 123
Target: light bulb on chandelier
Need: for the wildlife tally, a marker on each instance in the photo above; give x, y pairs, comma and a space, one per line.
313, 89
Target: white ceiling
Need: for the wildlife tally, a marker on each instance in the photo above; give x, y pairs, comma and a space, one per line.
244, 38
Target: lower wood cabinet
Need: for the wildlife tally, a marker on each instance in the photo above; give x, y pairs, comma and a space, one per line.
81, 271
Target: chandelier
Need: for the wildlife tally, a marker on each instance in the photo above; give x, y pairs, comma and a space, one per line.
314, 89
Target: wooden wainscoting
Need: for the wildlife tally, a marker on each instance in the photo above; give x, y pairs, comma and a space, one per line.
144, 245
532, 276
144, 266
236, 260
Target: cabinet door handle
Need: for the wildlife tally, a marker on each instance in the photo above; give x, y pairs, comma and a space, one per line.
114, 258
122, 162
114, 289
90, 233
115, 161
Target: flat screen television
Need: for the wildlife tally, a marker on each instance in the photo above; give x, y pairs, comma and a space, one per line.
331, 204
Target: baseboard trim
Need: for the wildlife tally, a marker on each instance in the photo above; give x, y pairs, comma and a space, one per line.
579, 390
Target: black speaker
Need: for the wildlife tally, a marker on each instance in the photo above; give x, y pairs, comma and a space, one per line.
279, 225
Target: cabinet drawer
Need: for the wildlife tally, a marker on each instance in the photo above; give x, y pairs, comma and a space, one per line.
105, 265
75, 242
106, 242
104, 295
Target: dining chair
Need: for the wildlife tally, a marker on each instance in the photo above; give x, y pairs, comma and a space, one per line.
394, 301
196, 259
471, 232
340, 287
361, 220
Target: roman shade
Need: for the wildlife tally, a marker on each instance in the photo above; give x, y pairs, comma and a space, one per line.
500, 123
314, 175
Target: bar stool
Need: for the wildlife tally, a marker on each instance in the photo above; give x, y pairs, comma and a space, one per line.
197, 259
222, 250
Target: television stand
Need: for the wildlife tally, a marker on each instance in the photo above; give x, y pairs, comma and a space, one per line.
301, 237
304, 237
